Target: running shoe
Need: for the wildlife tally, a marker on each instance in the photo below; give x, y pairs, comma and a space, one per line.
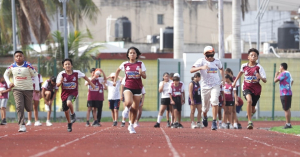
172, 125
230, 126
96, 123
235, 126
214, 125
223, 126
180, 125
22, 128
28, 123
193, 126
73, 118
48, 123
168, 124
131, 129
136, 124
200, 125
204, 122
115, 123
157, 125
287, 126
123, 124
37, 123
70, 127
239, 126
3, 122
250, 126
175, 125
87, 124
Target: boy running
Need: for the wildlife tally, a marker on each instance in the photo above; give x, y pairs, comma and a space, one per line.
4, 89
210, 83
49, 90
68, 80
285, 85
254, 72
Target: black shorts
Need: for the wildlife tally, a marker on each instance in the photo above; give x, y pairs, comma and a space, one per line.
65, 107
286, 101
94, 103
52, 93
178, 104
135, 92
229, 103
165, 101
255, 98
114, 104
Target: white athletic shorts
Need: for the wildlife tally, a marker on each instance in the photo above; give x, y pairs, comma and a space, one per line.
210, 97
3, 103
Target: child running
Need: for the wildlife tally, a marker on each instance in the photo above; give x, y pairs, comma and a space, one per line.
176, 89
165, 99
254, 72
140, 110
114, 97
195, 100
126, 109
134, 71
22, 72
4, 89
49, 90
95, 97
68, 80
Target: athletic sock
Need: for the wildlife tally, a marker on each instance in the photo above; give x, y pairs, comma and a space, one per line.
220, 121
171, 119
123, 121
159, 118
249, 121
289, 124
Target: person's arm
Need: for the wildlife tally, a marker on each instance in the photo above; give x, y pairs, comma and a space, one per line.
37, 84
195, 69
191, 93
120, 78
222, 75
237, 78
172, 102
121, 93
117, 75
54, 95
43, 93
104, 77
235, 97
104, 85
161, 86
89, 81
276, 79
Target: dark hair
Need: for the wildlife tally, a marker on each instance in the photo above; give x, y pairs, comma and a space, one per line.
284, 65
229, 77
138, 53
53, 79
93, 69
18, 52
196, 75
165, 74
67, 59
229, 70
253, 50
176, 78
171, 74
1, 75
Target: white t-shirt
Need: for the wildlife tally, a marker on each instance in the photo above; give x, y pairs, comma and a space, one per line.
113, 91
165, 92
143, 90
209, 77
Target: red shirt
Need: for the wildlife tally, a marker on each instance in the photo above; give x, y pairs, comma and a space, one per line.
133, 78
97, 93
250, 80
70, 83
176, 91
4, 86
228, 92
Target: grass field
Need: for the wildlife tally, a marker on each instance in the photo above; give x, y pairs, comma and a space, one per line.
295, 130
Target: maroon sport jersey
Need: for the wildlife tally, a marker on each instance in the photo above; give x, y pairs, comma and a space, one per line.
176, 91
251, 82
4, 86
70, 83
229, 92
133, 79
48, 86
97, 93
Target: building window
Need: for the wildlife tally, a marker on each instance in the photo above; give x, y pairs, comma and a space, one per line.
160, 19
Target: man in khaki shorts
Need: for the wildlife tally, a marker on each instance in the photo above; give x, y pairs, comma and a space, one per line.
210, 83
22, 72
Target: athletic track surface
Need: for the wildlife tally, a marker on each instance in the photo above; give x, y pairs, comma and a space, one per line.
149, 141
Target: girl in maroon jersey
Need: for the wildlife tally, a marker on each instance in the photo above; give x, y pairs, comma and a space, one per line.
195, 100
134, 72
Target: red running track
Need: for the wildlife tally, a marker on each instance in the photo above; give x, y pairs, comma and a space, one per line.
149, 141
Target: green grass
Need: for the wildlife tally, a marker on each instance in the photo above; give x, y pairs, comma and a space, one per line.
295, 130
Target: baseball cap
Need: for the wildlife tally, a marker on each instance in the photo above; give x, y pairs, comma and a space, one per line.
112, 75
208, 49
176, 74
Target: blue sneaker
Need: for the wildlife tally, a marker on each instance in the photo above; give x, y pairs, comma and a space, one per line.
214, 125
204, 121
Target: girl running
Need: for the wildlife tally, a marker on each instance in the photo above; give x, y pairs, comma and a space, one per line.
134, 71
195, 100
165, 99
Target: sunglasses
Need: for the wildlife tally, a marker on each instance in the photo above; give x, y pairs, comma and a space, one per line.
210, 56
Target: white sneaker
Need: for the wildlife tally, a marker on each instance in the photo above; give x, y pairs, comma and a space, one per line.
131, 129
22, 128
47, 108
223, 126
193, 126
230, 126
28, 123
37, 123
48, 123
200, 125
136, 125
235, 126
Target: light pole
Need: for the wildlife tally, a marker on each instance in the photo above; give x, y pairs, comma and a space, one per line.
13, 11
65, 26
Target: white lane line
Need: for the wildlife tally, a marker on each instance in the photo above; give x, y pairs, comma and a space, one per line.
20, 133
175, 153
266, 144
65, 144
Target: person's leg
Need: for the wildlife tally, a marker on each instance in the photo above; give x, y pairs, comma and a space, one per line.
140, 111
2, 113
229, 114
134, 108
288, 116
214, 100
70, 105
199, 109
205, 96
116, 112
128, 103
225, 117
167, 113
35, 110
49, 112
67, 113
89, 109
27, 95
220, 113
234, 116
99, 114
249, 106
176, 115
161, 112
171, 109
193, 108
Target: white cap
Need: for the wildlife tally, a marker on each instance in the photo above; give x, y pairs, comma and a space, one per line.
208, 49
112, 75
176, 74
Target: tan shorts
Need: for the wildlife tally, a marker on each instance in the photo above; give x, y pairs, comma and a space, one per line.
210, 97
